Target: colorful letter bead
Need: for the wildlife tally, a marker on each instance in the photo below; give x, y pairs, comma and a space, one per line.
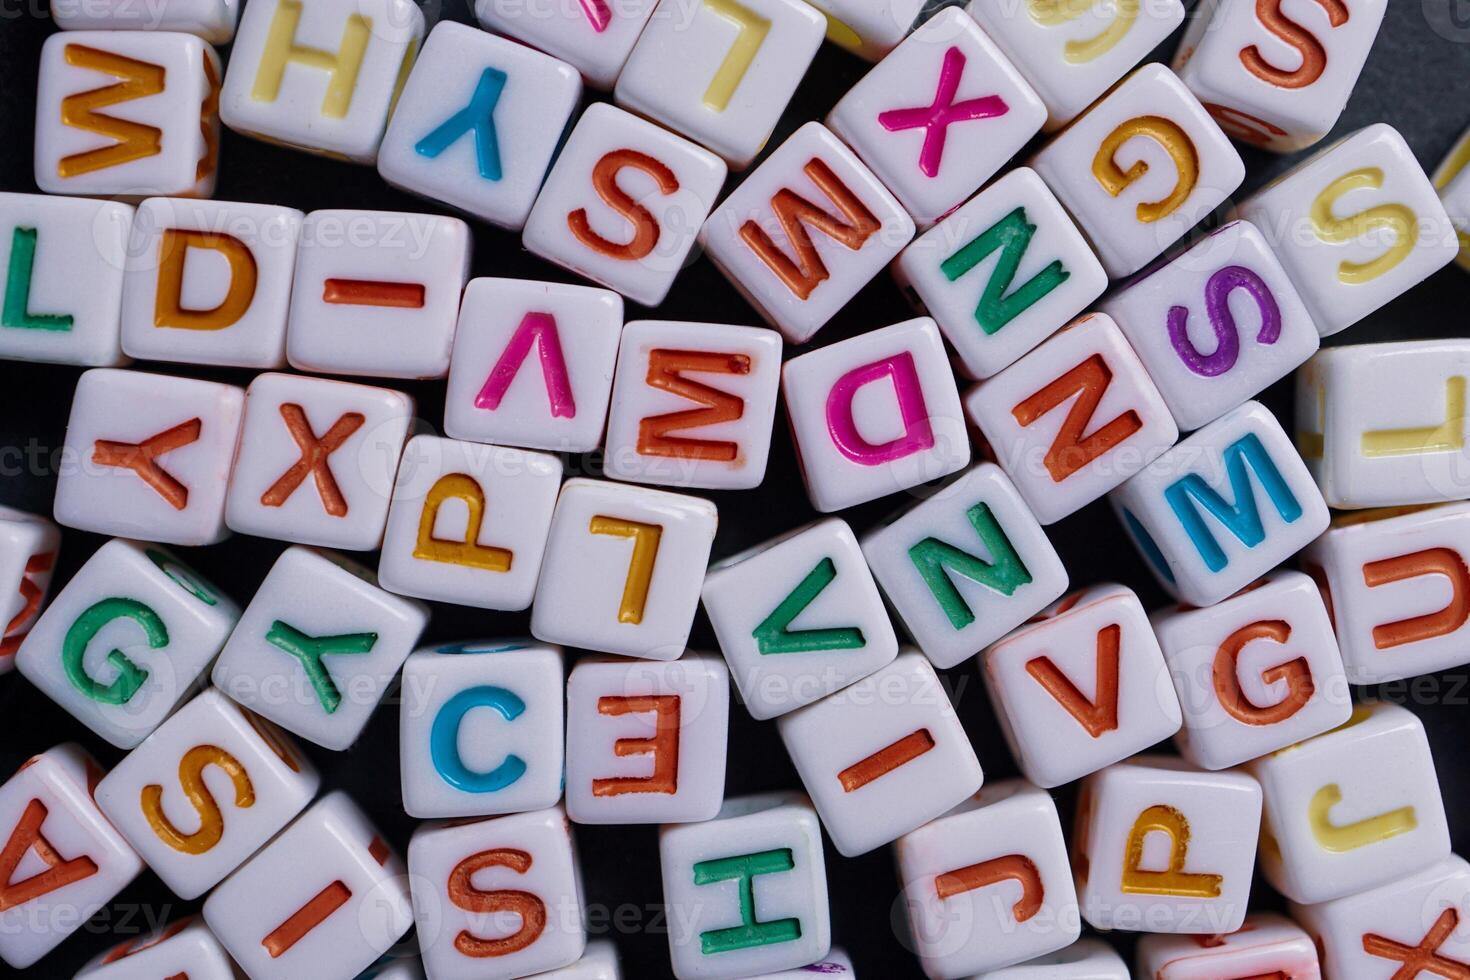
1086, 959
1397, 584
126, 639
1355, 224
1255, 673
1074, 418
149, 456
965, 566
593, 36
693, 404
206, 791
1072, 53
1452, 181
48, 245
1383, 425
1215, 324
976, 880
1222, 508
1081, 686
623, 569
151, 99
653, 191
320, 76
377, 293
853, 445
1273, 78
62, 860
868, 30
478, 123
1162, 847
318, 646
469, 523
798, 617
721, 71
317, 461
939, 116
28, 548
1266, 945
533, 364
325, 899
646, 742
480, 729
883, 756
212, 20
808, 229
746, 891
1352, 809
497, 898
183, 947
992, 312
209, 282
1414, 925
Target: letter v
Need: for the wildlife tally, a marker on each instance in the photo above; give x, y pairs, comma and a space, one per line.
1099, 715
774, 634
538, 329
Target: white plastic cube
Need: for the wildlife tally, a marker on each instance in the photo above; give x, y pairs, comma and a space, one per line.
185, 946
1086, 959
318, 646
646, 742
206, 791
1223, 507
868, 30
623, 569
29, 545
1081, 686
127, 639
1266, 945
883, 756
212, 20
1452, 180
594, 36
599, 962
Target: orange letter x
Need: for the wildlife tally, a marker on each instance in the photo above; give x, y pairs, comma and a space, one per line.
1424, 958
314, 453
139, 457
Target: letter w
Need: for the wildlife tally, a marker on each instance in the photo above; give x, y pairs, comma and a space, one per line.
795, 213
1242, 518
134, 141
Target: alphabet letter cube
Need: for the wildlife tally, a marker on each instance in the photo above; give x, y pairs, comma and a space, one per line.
868, 30
1223, 507
481, 728
317, 461
939, 116
988, 884
1140, 168
875, 414
805, 231
721, 72
1086, 959
1352, 809
652, 192
1355, 224
47, 245
693, 404
318, 646
1215, 324
150, 456
798, 617
28, 548
478, 123
1452, 181
1082, 686
992, 312
533, 364
212, 20
623, 569
325, 899
127, 114
62, 860
746, 891
1074, 418
185, 946
497, 898
1162, 847
646, 742
1266, 944
965, 566
469, 523
206, 791
320, 76
595, 38
883, 756
1255, 673
126, 640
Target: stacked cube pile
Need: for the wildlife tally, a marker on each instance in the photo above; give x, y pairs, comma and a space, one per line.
1108, 346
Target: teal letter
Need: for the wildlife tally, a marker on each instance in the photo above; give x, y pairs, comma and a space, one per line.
751, 932
774, 635
1243, 518
444, 740
1012, 235
479, 118
16, 311
309, 651
130, 676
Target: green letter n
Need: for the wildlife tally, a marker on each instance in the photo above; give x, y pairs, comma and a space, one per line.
750, 932
1012, 235
774, 634
935, 560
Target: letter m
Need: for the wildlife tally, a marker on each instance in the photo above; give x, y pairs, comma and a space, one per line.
999, 304
1241, 518
937, 562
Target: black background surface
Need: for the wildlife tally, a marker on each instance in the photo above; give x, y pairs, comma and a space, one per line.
1417, 79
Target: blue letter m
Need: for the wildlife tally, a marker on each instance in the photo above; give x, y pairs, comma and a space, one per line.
1242, 518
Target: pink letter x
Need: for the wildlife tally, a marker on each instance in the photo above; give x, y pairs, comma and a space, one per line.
935, 118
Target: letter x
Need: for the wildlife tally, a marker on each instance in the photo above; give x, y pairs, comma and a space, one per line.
1424, 958
314, 454
139, 457
936, 117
